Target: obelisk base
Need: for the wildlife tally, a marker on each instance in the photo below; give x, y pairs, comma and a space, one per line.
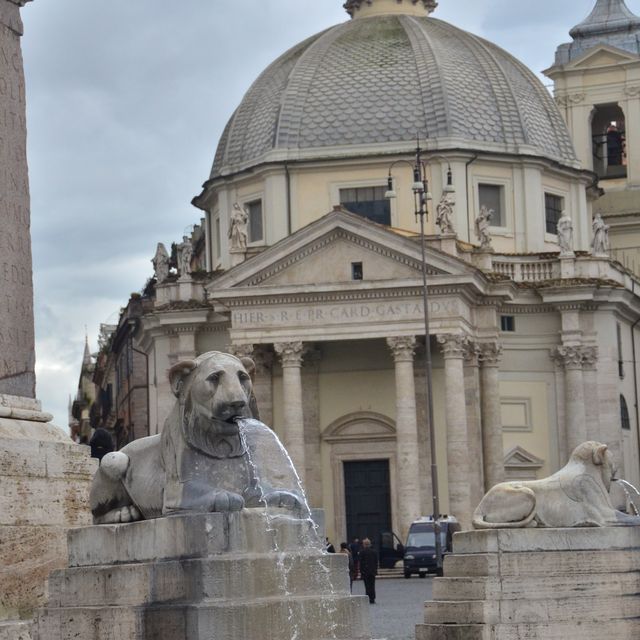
45, 481
538, 584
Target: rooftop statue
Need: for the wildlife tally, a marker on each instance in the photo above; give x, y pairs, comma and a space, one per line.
600, 243
483, 222
238, 227
203, 461
161, 263
565, 235
575, 496
185, 253
445, 208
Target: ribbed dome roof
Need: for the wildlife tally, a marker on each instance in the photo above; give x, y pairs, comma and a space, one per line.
380, 80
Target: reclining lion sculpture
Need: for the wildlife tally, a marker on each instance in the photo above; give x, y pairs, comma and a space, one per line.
203, 461
575, 496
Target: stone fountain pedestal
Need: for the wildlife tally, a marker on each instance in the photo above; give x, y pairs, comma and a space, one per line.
538, 584
212, 576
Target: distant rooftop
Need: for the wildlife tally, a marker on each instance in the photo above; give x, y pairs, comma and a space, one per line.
611, 22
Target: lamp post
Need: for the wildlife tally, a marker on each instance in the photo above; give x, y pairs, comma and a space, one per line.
422, 197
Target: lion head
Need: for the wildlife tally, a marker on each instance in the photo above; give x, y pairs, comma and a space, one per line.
596, 454
214, 391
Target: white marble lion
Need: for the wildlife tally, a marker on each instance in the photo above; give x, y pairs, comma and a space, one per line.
575, 496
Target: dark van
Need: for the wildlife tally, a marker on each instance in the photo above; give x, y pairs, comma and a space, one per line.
420, 550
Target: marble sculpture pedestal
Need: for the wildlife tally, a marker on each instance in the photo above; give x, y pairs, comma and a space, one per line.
197, 577
538, 584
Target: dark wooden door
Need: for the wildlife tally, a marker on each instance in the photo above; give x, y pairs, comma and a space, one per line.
368, 499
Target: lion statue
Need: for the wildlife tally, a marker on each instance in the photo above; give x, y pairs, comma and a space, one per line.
203, 461
575, 496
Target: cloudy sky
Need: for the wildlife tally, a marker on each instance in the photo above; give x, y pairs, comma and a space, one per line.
126, 102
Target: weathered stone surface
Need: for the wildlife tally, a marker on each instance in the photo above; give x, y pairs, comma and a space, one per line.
212, 576
574, 584
15, 631
17, 359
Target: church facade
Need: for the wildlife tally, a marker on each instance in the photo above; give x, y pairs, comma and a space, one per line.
312, 268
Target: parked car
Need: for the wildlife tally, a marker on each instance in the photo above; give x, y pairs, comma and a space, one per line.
420, 550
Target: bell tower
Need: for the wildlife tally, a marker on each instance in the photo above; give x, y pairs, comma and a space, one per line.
597, 87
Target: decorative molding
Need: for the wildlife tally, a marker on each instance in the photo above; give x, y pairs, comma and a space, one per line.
590, 357
290, 353
453, 345
403, 348
568, 100
524, 403
633, 91
378, 427
520, 464
472, 354
241, 350
575, 357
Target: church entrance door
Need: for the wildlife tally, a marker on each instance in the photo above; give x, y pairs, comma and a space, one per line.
367, 498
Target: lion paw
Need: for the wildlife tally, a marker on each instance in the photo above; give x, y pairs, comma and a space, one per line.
284, 499
121, 515
225, 501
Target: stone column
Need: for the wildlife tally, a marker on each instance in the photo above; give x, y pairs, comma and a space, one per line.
453, 348
493, 446
263, 384
592, 404
293, 428
474, 421
407, 460
311, 403
575, 417
17, 344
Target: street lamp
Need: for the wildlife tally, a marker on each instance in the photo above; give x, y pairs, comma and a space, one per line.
422, 197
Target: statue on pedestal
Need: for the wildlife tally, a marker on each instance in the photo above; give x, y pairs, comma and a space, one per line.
565, 235
238, 228
483, 222
600, 243
444, 209
161, 263
185, 253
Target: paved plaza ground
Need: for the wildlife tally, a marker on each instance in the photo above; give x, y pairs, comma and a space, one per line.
399, 607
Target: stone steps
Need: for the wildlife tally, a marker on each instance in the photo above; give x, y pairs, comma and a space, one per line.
202, 577
564, 584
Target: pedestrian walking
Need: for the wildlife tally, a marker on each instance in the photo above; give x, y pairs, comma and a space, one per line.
344, 549
369, 569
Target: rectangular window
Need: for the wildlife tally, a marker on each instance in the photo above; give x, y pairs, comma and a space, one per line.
216, 237
256, 230
553, 208
368, 202
356, 271
507, 323
491, 196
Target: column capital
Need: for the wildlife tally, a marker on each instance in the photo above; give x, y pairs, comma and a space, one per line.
263, 357
403, 348
453, 345
241, 350
472, 353
290, 353
590, 357
490, 354
571, 357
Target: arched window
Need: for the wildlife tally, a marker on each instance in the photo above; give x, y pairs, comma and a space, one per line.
608, 133
624, 414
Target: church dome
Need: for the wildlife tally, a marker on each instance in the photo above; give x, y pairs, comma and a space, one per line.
371, 84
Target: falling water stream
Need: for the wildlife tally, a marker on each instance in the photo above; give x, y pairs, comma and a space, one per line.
634, 500
309, 537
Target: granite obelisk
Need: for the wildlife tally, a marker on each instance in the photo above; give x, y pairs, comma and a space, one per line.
44, 477
17, 360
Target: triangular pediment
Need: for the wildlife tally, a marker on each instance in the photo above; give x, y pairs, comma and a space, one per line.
521, 458
601, 56
325, 252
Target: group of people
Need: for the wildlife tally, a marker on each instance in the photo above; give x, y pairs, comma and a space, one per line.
363, 563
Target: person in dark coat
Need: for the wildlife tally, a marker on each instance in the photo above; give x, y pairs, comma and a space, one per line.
369, 569
344, 549
355, 548
101, 443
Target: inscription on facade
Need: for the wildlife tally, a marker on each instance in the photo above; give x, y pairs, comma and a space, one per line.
373, 312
